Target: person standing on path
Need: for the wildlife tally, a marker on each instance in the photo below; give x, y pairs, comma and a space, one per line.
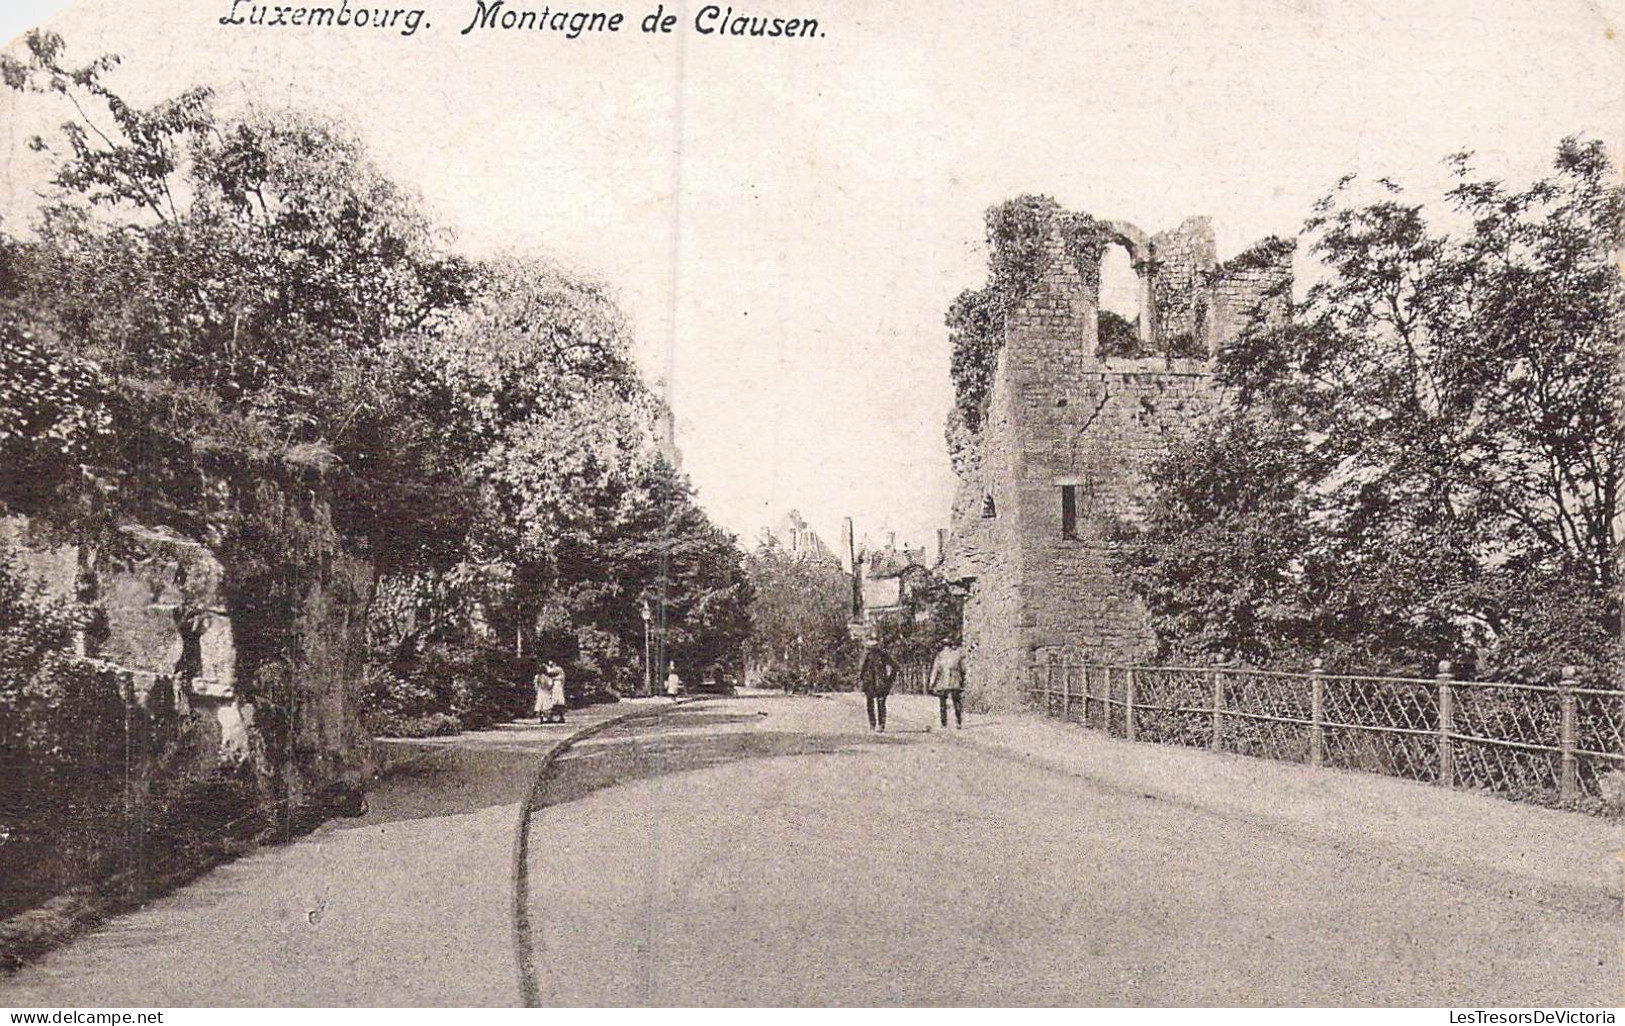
948, 682
549, 684
674, 683
543, 709
876, 672
555, 674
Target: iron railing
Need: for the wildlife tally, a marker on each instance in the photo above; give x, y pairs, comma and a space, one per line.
1555, 745
914, 677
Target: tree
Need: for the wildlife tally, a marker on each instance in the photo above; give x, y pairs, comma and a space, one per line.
930, 618
1218, 554
241, 297
651, 542
236, 281
1426, 454
799, 612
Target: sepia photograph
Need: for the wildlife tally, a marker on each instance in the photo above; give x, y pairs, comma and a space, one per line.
829, 504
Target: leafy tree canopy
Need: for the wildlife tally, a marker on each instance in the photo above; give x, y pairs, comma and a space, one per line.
1425, 462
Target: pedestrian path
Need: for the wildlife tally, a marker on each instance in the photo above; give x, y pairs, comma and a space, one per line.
1562, 859
410, 904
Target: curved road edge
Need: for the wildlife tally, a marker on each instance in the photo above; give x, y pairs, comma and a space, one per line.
523, 934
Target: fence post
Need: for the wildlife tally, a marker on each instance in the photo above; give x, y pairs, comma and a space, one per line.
1317, 713
1568, 777
1088, 691
1128, 704
1032, 672
1447, 726
1216, 675
1106, 698
1066, 694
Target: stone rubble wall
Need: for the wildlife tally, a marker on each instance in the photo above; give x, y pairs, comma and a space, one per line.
1183, 258
1254, 283
161, 620
1060, 417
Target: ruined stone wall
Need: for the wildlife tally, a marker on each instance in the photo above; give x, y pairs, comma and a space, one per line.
980, 546
1061, 418
1183, 259
169, 614
1255, 282
1106, 422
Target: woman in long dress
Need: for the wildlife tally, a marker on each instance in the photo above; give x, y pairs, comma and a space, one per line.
556, 672
544, 696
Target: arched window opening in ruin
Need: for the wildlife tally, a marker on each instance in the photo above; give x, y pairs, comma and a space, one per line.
988, 509
1121, 316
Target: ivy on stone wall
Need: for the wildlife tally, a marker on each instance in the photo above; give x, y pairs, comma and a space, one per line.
1086, 240
1018, 234
1263, 255
1017, 231
1119, 337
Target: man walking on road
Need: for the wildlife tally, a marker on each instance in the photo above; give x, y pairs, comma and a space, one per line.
876, 671
948, 682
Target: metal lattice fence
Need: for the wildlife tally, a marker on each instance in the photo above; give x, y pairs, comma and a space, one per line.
1562, 745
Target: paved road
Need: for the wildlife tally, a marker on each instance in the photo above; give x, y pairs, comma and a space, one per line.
774, 852
803, 861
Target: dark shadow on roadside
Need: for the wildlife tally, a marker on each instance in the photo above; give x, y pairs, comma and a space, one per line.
433, 779
667, 746
448, 781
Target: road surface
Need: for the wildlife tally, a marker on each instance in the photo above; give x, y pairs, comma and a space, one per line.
773, 851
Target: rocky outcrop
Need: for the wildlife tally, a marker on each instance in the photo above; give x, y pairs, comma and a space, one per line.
245, 638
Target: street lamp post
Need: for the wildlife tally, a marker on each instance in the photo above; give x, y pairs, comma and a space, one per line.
648, 679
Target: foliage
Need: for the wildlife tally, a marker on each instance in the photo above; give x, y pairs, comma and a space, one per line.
1217, 555
1019, 252
931, 618
448, 687
62, 719
268, 313
799, 614
1017, 232
262, 257
575, 518
652, 544
1425, 462
1119, 336
53, 411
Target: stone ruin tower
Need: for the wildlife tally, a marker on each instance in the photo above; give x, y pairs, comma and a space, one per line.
1058, 456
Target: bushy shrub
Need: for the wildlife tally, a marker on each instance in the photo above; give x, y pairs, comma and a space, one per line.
61, 764
447, 688
53, 415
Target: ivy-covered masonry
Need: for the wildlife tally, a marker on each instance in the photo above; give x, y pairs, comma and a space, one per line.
1053, 419
181, 655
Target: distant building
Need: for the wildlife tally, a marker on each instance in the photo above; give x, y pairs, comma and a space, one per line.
801, 542
885, 576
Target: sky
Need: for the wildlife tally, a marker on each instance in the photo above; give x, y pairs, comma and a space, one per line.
787, 222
